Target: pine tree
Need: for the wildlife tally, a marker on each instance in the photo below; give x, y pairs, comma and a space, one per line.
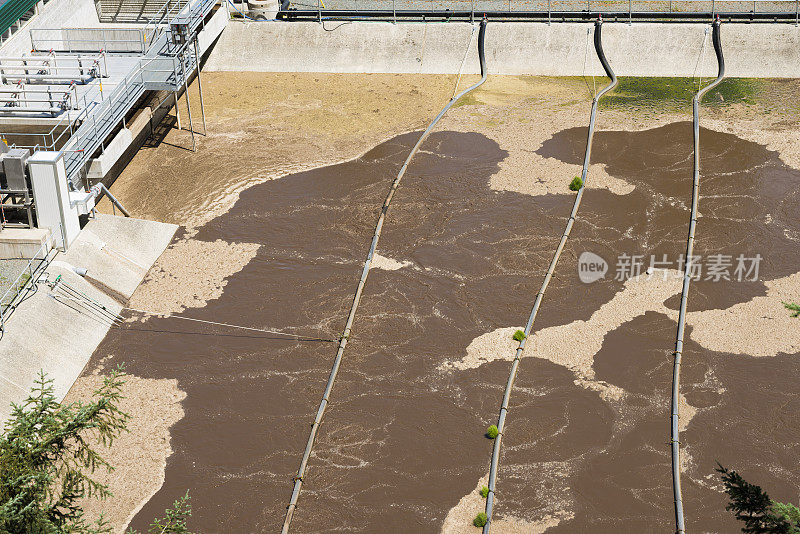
752, 506
47, 458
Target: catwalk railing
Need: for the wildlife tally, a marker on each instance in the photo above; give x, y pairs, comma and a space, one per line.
119, 40
168, 64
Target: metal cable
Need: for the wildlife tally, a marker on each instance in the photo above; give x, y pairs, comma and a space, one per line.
680, 527
463, 60
501, 421
298, 480
229, 325
71, 294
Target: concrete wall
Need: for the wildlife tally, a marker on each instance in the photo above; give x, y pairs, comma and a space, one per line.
47, 334
55, 14
753, 50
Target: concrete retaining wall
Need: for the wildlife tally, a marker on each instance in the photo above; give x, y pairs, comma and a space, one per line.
751, 50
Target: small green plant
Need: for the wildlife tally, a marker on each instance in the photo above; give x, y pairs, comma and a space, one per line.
792, 307
485, 491
480, 519
519, 335
576, 184
174, 520
492, 432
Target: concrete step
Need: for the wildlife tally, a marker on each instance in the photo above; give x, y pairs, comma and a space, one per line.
24, 242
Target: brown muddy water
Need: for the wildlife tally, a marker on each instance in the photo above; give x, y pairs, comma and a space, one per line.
403, 441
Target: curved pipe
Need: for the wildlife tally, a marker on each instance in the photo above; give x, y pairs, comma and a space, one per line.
501, 421
298, 481
675, 443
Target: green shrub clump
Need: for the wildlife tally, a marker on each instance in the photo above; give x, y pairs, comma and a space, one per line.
480, 519
485, 491
492, 432
519, 335
576, 184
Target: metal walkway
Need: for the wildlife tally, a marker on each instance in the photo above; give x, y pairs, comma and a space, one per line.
167, 65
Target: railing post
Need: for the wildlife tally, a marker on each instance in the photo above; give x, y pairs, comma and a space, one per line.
394, 13
319, 11
200, 85
188, 105
630, 14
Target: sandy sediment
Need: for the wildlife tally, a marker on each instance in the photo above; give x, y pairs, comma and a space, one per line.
139, 457
262, 126
574, 345
190, 273
388, 264
686, 413
459, 518
759, 327
532, 113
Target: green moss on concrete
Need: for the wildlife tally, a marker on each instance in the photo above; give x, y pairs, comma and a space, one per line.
678, 92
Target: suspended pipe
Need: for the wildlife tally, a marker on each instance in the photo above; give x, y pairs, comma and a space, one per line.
675, 443
98, 190
298, 480
553, 16
501, 421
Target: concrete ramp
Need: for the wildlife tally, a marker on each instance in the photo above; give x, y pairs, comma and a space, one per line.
559, 49
60, 336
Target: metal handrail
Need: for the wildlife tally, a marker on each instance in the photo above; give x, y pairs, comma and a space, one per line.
129, 89
98, 117
102, 43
